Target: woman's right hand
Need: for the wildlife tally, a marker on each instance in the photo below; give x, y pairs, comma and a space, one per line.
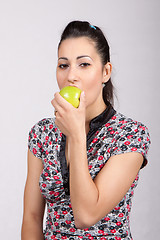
69, 119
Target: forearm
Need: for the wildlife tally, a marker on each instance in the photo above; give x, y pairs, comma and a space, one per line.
32, 230
83, 191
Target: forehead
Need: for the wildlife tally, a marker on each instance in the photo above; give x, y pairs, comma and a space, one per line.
77, 46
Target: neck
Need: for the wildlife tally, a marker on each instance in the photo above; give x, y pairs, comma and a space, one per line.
93, 111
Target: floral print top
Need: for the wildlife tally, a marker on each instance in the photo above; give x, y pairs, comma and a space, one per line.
111, 133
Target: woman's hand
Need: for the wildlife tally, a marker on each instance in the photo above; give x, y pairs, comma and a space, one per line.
68, 118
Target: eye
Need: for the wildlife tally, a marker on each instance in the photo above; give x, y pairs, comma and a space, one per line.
85, 64
63, 66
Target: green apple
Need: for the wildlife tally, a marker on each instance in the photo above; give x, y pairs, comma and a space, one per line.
71, 94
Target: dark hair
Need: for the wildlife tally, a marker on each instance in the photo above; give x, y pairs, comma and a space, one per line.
77, 29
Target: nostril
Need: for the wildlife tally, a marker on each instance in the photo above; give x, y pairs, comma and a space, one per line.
70, 80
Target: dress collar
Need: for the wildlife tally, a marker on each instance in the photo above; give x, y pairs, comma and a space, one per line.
95, 123
102, 118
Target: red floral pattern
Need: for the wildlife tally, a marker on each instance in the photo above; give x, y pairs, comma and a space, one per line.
118, 135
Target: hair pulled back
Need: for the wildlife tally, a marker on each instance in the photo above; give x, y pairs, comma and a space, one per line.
76, 29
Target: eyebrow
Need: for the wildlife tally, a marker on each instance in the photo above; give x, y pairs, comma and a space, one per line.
83, 56
64, 58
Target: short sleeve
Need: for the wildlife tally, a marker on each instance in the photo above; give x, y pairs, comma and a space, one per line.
134, 137
34, 140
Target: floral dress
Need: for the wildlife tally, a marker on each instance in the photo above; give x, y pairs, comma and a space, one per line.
111, 133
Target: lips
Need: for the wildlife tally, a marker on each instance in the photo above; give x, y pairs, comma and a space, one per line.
73, 85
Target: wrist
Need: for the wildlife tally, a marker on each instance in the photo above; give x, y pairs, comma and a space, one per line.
78, 137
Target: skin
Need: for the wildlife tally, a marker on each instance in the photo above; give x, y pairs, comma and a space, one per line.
115, 178
79, 65
118, 174
34, 203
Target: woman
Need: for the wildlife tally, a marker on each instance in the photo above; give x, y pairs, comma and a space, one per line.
88, 158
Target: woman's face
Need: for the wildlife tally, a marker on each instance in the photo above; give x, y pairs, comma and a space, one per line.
80, 65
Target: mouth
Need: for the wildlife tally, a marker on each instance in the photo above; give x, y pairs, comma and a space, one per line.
73, 86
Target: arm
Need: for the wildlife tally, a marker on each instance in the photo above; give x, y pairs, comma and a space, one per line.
34, 204
93, 199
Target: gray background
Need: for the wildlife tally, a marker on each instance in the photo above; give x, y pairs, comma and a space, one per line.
29, 34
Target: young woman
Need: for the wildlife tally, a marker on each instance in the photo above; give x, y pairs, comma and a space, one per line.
86, 159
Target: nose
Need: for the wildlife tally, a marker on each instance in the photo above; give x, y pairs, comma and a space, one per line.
72, 75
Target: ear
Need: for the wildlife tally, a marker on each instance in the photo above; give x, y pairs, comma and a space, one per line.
107, 72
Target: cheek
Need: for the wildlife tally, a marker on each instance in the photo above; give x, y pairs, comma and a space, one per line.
59, 80
93, 87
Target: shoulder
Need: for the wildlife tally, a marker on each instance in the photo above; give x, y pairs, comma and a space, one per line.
43, 129
40, 133
130, 136
44, 122
44, 125
127, 124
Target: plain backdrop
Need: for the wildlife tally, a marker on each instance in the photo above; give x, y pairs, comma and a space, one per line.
29, 34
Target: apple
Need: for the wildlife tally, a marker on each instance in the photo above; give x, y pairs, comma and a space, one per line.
71, 94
